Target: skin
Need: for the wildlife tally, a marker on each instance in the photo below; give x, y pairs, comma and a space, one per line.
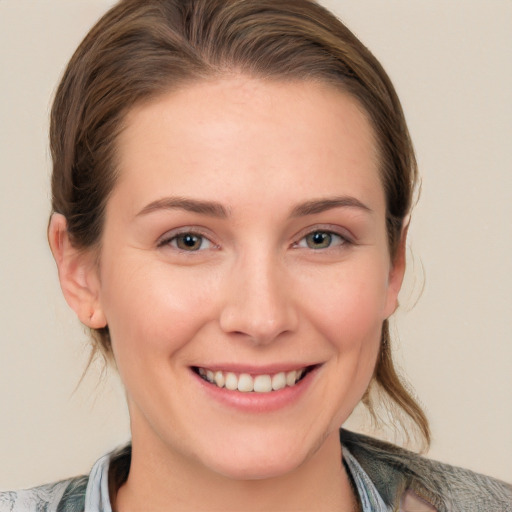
257, 291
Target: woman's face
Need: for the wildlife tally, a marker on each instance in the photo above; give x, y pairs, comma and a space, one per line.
245, 244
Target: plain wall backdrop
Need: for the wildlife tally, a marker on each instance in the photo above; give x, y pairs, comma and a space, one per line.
451, 64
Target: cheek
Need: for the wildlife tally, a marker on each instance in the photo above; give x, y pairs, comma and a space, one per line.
349, 317
349, 306
152, 310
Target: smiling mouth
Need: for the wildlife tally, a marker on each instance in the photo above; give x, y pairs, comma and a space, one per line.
257, 383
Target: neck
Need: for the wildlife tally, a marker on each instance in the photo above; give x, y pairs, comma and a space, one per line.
156, 482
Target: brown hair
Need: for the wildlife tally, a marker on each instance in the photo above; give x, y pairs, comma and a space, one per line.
143, 48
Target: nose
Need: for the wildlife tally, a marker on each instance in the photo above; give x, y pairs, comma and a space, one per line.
258, 302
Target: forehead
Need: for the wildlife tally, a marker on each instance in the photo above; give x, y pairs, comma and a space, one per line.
252, 133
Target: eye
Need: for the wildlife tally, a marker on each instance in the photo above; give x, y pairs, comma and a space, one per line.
321, 240
189, 241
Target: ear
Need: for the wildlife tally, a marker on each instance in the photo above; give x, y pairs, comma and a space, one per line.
78, 274
397, 271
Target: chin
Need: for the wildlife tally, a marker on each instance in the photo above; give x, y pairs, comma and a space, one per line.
257, 467
261, 456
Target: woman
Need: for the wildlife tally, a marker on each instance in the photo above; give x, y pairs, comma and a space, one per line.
231, 190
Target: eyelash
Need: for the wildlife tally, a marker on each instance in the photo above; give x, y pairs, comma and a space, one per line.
173, 241
334, 240
327, 233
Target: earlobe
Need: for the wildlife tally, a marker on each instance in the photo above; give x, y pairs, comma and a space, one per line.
397, 271
78, 274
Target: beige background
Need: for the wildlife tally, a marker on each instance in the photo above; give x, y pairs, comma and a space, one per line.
451, 63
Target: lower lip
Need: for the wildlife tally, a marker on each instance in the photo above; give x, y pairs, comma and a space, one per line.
258, 402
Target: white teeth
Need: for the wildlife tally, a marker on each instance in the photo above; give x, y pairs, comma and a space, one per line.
219, 379
279, 381
291, 378
263, 384
231, 381
246, 383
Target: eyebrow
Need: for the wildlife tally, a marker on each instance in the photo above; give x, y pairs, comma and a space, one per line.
209, 208
214, 209
322, 205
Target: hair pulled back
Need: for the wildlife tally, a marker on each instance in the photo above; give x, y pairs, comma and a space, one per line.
143, 48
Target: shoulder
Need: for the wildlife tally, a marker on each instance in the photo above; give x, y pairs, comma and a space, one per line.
63, 496
75, 494
398, 473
